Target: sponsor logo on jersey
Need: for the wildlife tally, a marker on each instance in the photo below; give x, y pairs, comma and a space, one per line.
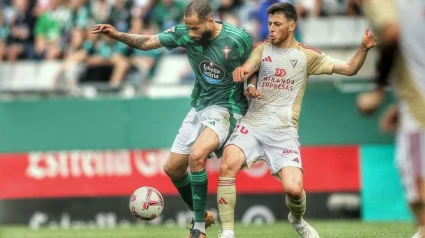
278, 81
211, 72
171, 29
226, 50
267, 59
280, 72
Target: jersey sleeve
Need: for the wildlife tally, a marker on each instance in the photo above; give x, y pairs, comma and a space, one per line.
172, 38
256, 54
318, 62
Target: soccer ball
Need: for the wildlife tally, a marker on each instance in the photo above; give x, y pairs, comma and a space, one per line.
146, 203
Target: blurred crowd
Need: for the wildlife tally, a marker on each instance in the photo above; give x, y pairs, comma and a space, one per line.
60, 30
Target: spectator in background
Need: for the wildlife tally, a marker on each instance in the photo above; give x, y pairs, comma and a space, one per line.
145, 61
4, 34
120, 15
262, 19
318, 8
21, 27
228, 7
142, 9
3, 3
48, 31
71, 68
80, 14
110, 53
308, 8
353, 8
167, 13
100, 10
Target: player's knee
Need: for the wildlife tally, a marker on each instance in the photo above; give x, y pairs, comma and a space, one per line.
228, 170
197, 158
295, 191
230, 162
172, 171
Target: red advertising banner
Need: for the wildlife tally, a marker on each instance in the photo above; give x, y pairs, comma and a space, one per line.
117, 173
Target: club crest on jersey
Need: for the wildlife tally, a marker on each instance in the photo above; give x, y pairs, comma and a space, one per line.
226, 50
211, 72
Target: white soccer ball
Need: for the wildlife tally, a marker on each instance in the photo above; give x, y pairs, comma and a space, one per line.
146, 203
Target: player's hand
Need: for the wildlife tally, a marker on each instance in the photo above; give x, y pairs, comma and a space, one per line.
368, 40
106, 30
389, 121
253, 93
239, 74
369, 102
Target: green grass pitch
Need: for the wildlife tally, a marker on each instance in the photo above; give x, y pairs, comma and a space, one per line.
332, 229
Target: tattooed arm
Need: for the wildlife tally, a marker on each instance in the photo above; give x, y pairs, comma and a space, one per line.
141, 42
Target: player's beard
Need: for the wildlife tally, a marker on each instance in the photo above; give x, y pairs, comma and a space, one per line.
280, 41
205, 38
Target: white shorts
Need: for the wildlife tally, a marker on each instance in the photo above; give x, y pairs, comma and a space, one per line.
277, 149
215, 117
410, 157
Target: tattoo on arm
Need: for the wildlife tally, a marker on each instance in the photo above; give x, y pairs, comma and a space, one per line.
141, 42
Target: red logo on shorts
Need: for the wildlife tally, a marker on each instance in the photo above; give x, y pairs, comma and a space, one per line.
296, 160
289, 151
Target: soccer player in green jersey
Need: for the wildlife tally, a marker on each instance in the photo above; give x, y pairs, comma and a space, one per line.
214, 50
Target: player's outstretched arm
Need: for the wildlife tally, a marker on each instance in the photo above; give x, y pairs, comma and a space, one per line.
356, 62
141, 42
242, 73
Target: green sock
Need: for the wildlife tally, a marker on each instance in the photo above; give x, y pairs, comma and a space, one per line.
184, 187
200, 192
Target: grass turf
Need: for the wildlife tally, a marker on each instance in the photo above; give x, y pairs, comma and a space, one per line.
334, 229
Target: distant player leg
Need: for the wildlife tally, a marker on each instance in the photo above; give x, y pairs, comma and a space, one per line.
411, 158
206, 143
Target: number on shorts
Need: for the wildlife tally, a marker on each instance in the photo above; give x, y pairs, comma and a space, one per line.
243, 130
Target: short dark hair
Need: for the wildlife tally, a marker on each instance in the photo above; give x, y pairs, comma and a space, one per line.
286, 8
200, 7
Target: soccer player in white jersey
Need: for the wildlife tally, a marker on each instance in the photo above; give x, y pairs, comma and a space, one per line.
269, 130
400, 23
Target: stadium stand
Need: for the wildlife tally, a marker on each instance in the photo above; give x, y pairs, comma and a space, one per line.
42, 71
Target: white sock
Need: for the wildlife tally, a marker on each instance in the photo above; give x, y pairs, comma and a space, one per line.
200, 226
